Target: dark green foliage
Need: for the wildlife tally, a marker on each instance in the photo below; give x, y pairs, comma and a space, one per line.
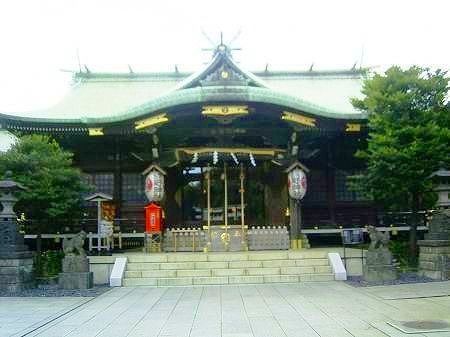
409, 138
54, 186
48, 264
400, 251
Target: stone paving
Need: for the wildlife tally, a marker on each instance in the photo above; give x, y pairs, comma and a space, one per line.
326, 309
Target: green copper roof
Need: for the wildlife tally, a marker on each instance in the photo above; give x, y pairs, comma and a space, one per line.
112, 97
221, 94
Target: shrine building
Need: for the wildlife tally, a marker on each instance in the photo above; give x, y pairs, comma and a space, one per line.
224, 141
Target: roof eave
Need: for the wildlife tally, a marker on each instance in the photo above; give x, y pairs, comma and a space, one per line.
205, 95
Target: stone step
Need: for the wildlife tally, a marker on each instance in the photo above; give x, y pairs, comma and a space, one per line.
229, 272
227, 257
226, 264
190, 269
222, 280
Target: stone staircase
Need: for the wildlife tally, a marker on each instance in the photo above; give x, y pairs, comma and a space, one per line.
187, 269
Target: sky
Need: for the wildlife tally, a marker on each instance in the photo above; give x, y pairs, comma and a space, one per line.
41, 38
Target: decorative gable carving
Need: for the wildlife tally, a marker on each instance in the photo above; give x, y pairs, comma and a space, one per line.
224, 75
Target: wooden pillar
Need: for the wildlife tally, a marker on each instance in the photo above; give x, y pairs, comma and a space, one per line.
172, 209
295, 223
331, 183
275, 197
117, 191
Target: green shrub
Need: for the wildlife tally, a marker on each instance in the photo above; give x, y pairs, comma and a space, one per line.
400, 251
48, 264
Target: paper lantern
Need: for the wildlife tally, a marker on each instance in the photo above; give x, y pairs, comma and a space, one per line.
154, 186
297, 184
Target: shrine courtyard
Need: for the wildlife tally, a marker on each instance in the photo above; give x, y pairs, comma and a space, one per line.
331, 309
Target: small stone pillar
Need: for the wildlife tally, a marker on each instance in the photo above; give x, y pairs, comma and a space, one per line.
379, 265
434, 251
16, 261
76, 274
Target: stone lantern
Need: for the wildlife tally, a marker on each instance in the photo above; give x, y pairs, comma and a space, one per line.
16, 261
442, 179
434, 254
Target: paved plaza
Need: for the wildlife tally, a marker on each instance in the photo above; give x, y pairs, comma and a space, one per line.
331, 309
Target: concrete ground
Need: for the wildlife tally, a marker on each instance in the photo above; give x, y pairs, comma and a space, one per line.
331, 309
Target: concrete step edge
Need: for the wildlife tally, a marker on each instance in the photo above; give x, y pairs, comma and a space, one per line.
158, 264
191, 277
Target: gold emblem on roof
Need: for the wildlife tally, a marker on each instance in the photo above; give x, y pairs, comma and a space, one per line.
353, 127
154, 120
95, 131
297, 118
224, 110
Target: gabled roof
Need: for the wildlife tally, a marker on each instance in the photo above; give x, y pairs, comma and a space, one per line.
154, 167
98, 196
98, 98
221, 65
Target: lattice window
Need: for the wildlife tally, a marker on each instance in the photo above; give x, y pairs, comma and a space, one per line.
317, 186
133, 187
102, 182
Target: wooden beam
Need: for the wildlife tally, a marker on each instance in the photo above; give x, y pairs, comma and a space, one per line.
254, 151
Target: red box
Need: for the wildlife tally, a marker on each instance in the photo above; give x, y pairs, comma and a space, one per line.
153, 218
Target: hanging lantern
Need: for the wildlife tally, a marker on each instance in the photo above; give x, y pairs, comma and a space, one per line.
154, 185
297, 183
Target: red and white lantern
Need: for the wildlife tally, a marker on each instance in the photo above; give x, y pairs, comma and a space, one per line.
297, 184
154, 186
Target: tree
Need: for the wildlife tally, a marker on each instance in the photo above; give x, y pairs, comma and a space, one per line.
409, 138
54, 186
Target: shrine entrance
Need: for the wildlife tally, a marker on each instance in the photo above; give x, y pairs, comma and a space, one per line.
229, 235
231, 199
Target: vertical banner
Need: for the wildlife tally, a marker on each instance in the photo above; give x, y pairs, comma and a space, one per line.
108, 210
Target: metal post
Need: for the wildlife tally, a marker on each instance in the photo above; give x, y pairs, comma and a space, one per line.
226, 236
208, 206
99, 219
241, 190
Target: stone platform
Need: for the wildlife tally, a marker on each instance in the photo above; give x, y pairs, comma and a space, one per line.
185, 269
433, 258
80, 280
16, 274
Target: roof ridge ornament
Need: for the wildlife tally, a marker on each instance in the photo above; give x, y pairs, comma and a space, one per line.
221, 47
